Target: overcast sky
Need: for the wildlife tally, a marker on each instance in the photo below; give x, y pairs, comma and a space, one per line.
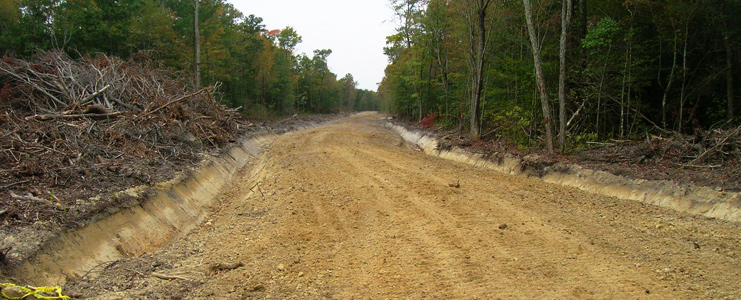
355, 30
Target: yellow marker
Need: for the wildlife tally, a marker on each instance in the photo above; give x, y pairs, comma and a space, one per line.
38, 292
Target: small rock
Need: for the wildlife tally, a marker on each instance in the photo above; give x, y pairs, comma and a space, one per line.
668, 270
281, 267
300, 274
13, 292
503, 226
258, 288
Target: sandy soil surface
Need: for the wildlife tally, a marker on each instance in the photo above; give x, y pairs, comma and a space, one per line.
348, 211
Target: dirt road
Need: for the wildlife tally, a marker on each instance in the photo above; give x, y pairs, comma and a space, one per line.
347, 211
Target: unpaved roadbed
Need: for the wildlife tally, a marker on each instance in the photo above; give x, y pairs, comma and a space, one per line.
348, 210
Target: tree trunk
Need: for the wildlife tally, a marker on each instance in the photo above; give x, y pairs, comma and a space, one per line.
442, 62
682, 94
417, 75
627, 80
477, 28
583, 20
197, 46
729, 72
622, 93
539, 76
565, 19
669, 84
447, 92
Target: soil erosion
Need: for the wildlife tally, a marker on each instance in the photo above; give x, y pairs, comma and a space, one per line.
348, 211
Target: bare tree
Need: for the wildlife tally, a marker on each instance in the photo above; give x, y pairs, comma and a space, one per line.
539, 76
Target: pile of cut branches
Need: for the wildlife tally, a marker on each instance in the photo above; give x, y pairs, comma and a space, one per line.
73, 129
709, 158
714, 147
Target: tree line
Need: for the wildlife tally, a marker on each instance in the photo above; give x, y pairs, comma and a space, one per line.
257, 69
539, 72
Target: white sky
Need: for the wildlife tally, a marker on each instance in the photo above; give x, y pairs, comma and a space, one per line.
355, 30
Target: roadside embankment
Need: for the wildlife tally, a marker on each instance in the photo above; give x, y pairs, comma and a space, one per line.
167, 210
692, 199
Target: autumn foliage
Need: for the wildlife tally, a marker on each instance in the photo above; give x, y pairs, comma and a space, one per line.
429, 120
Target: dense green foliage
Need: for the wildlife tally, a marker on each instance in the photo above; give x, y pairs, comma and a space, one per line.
633, 67
258, 69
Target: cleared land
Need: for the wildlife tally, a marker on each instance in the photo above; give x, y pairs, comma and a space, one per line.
348, 211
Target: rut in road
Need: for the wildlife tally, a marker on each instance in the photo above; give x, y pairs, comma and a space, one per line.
348, 211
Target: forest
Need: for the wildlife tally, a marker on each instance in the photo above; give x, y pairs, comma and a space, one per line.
256, 69
541, 74
559, 74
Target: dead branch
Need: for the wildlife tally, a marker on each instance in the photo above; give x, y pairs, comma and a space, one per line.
74, 116
136, 272
697, 166
169, 277
32, 83
177, 100
716, 146
126, 105
93, 95
12, 184
31, 197
576, 113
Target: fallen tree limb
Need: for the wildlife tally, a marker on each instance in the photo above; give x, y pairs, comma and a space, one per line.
93, 95
49, 117
33, 84
12, 184
29, 196
177, 100
169, 277
717, 145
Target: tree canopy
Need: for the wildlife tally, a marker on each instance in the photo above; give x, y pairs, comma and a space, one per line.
630, 67
256, 67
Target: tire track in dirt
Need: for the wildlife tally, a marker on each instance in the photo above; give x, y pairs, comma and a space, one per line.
345, 211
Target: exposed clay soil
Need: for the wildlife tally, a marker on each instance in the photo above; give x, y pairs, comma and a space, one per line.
349, 211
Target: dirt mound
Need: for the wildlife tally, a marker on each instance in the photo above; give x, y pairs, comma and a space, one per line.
75, 129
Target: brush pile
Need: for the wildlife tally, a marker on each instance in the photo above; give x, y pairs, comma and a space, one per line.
73, 129
708, 158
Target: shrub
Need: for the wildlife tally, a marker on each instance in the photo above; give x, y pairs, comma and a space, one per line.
429, 120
